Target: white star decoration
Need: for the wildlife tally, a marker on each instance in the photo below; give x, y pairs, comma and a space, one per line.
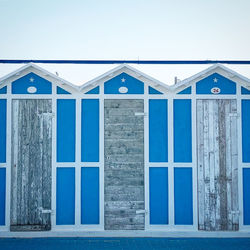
32, 79
123, 79
215, 80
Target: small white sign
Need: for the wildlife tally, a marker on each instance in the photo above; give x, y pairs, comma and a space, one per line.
123, 90
32, 90
215, 90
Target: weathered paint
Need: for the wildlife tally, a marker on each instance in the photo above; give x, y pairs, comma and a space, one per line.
65, 196
226, 86
217, 165
21, 85
90, 130
2, 195
3, 124
66, 123
133, 85
158, 130
183, 196
90, 195
61, 91
123, 164
158, 195
182, 131
245, 114
31, 165
246, 196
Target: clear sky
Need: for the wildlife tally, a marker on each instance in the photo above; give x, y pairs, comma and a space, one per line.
129, 29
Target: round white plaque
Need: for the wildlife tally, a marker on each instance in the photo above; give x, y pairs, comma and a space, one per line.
32, 90
123, 90
215, 90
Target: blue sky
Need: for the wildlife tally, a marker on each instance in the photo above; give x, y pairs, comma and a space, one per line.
115, 29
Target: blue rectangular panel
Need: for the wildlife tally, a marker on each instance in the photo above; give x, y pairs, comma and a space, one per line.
66, 126
90, 195
182, 131
158, 195
246, 196
90, 130
2, 130
2, 195
245, 109
158, 130
65, 196
183, 196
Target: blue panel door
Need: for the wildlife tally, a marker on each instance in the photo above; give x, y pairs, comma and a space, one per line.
182, 131
2, 130
65, 196
90, 130
158, 195
158, 130
246, 196
2, 195
90, 195
183, 196
66, 122
245, 109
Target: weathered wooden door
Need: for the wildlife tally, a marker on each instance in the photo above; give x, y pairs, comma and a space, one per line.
31, 165
124, 164
217, 165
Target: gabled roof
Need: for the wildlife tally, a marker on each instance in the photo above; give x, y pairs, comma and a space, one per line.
127, 69
42, 71
219, 68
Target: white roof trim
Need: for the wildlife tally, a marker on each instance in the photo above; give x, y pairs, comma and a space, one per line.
45, 72
186, 82
120, 68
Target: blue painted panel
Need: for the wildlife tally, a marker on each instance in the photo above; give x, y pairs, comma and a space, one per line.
158, 195
90, 130
3, 90
66, 125
94, 91
158, 130
21, 85
185, 91
90, 195
245, 91
65, 196
182, 130
245, 109
246, 196
153, 91
183, 196
226, 86
133, 85
2, 195
62, 91
3, 110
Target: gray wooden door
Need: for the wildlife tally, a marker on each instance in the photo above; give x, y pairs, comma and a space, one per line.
217, 165
124, 164
31, 165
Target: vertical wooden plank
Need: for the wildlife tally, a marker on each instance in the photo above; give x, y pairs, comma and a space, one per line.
234, 165
207, 222
200, 154
31, 164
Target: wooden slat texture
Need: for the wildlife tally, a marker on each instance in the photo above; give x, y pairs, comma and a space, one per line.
124, 164
217, 159
31, 165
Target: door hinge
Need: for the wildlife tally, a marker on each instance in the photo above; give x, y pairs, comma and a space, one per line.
142, 211
45, 211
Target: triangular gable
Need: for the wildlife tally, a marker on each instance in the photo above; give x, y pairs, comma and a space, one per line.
124, 79
62, 91
3, 90
31, 75
225, 76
